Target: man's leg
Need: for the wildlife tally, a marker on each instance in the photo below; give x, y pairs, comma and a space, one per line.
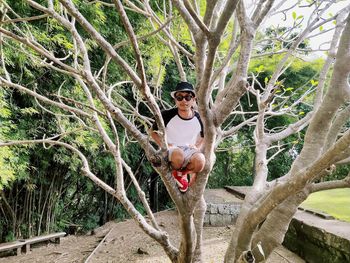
176, 158
196, 163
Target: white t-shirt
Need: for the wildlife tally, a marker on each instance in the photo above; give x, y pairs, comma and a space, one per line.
180, 131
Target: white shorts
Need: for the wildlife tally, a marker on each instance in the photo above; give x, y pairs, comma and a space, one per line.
188, 152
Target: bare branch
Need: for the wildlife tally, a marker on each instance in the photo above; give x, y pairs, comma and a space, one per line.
291, 129
108, 48
228, 11
196, 18
192, 25
141, 194
24, 19
344, 183
134, 43
160, 28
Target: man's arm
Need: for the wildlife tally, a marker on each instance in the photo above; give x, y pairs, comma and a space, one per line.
199, 142
156, 137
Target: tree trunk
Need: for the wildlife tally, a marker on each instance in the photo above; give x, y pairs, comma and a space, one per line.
199, 214
273, 229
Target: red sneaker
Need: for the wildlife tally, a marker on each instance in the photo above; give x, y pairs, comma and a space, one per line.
181, 180
191, 177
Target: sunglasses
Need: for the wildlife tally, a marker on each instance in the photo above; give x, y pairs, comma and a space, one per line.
186, 97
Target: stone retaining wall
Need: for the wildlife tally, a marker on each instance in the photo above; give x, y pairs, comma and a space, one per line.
222, 207
316, 245
221, 214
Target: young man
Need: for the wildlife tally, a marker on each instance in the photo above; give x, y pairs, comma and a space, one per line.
184, 131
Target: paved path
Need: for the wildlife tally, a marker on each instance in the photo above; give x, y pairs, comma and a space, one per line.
220, 196
283, 255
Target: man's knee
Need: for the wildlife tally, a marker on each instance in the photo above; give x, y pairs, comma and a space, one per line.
198, 162
176, 158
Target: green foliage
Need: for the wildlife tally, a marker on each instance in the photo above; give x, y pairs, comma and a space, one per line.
6, 171
10, 237
53, 171
12, 164
155, 53
281, 164
340, 173
90, 221
233, 167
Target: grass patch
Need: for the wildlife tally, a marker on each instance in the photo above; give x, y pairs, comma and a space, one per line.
335, 202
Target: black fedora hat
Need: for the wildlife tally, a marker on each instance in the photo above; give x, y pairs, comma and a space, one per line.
183, 86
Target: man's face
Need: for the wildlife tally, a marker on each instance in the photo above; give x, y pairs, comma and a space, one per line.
184, 100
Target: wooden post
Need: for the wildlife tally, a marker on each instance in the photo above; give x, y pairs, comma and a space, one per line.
27, 249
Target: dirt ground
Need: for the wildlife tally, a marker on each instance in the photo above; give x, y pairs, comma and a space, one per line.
125, 242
